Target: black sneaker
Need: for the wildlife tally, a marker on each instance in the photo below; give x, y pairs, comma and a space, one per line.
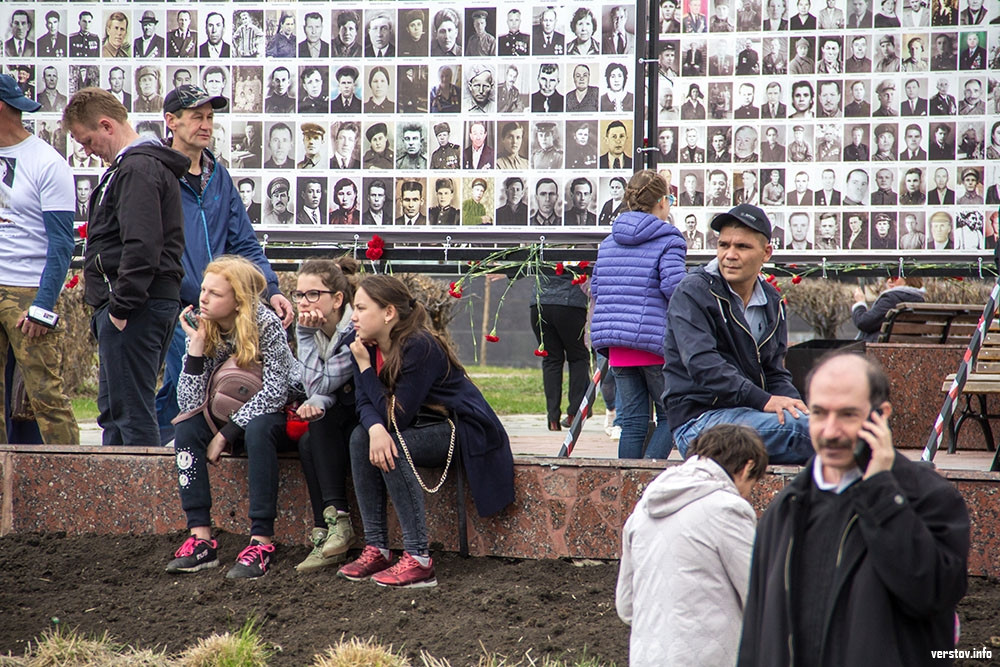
194, 555
252, 561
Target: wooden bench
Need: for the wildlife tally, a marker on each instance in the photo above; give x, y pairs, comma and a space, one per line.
930, 323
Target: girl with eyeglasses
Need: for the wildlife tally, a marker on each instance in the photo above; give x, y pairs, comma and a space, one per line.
638, 266
323, 294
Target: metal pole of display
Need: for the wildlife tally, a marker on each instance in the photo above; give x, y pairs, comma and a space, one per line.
964, 369
647, 83
581, 414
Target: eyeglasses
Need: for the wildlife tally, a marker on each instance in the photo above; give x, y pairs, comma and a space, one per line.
312, 296
671, 199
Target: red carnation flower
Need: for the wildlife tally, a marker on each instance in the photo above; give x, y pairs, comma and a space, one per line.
580, 279
541, 353
373, 253
796, 280
492, 338
584, 264
376, 242
560, 268
82, 231
73, 282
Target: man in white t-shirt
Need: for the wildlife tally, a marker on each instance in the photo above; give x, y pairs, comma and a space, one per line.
36, 243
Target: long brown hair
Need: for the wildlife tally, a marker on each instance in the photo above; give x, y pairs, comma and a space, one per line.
338, 275
413, 321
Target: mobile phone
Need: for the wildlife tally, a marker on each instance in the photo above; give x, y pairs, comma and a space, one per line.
863, 451
191, 317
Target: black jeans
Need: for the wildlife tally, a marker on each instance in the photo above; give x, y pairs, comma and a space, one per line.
264, 437
429, 448
323, 452
130, 360
561, 330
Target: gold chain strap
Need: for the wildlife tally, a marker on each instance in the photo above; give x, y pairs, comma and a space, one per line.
406, 451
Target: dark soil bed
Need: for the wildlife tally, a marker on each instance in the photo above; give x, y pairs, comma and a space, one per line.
506, 606
118, 584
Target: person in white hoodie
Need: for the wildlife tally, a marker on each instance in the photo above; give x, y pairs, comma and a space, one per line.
686, 549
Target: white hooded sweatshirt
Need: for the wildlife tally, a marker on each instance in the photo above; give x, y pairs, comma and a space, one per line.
685, 568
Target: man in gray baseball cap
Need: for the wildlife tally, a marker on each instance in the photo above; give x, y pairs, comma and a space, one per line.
724, 350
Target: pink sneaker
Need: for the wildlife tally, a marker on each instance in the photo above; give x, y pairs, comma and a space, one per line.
407, 573
368, 563
252, 561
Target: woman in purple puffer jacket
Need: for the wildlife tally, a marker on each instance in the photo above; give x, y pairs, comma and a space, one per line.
638, 266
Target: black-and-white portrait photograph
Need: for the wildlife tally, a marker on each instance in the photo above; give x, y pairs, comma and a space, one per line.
413, 36
279, 97
248, 89
480, 38
582, 144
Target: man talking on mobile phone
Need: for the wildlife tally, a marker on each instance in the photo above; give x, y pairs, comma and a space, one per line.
864, 550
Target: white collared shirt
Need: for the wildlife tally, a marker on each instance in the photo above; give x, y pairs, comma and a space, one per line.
848, 478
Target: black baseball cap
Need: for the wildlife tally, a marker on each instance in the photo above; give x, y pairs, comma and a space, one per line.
189, 96
747, 215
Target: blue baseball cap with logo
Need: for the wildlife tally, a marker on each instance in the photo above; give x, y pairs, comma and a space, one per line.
11, 93
745, 214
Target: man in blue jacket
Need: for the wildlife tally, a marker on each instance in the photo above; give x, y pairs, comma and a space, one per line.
215, 223
724, 350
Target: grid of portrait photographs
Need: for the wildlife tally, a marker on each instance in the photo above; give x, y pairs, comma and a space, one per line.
856, 124
362, 113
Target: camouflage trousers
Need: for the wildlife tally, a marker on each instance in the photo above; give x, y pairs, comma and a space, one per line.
40, 360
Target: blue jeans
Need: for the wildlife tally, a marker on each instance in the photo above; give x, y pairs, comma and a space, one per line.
429, 448
166, 398
789, 444
635, 387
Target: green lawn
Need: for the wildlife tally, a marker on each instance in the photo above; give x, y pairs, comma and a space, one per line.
510, 391
513, 391
85, 408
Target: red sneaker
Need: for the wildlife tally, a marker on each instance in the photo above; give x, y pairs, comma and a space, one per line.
368, 563
407, 573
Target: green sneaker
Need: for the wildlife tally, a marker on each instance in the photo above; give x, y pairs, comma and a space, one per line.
316, 560
341, 532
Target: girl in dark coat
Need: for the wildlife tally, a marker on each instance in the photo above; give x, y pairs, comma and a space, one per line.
401, 368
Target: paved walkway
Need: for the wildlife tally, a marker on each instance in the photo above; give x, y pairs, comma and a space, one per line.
529, 437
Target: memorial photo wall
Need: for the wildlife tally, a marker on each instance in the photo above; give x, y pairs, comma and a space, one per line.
362, 113
855, 125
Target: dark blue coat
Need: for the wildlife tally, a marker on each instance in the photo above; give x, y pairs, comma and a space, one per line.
638, 267
711, 360
426, 378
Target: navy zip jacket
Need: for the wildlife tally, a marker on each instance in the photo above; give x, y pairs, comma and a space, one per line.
426, 378
711, 360
216, 223
901, 570
135, 235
